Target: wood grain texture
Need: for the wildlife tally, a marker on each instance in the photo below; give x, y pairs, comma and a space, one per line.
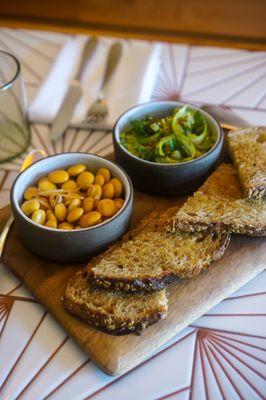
239, 24
189, 299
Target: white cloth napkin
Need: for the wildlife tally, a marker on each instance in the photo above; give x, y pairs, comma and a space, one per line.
131, 84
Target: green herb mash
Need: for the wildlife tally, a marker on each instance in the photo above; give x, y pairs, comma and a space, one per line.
181, 136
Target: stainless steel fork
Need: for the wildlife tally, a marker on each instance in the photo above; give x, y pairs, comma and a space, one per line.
99, 108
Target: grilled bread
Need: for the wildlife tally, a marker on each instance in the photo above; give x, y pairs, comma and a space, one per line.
219, 205
247, 148
112, 311
150, 258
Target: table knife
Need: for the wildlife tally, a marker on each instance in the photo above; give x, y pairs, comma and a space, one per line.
226, 118
73, 94
33, 156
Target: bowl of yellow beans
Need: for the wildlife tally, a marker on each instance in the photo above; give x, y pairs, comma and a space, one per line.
71, 206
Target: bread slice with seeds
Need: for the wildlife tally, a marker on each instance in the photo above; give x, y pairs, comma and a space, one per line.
220, 205
247, 148
150, 258
112, 311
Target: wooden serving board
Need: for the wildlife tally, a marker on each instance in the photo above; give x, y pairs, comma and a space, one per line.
189, 299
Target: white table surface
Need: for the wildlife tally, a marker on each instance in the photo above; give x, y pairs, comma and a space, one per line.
222, 355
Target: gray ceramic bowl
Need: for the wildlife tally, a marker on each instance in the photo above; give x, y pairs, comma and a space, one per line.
69, 245
165, 179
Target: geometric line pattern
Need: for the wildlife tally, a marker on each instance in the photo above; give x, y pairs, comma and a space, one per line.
223, 354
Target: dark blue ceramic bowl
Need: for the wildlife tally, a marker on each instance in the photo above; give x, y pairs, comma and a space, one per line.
159, 178
69, 245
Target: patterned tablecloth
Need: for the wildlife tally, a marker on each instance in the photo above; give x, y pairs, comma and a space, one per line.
220, 356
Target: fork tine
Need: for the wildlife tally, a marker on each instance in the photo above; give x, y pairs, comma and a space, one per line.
99, 109
94, 118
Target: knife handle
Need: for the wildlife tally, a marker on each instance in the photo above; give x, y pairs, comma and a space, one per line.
113, 58
87, 52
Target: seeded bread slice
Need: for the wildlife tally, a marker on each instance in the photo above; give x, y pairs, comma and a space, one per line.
247, 148
149, 258
114, 312
219, 205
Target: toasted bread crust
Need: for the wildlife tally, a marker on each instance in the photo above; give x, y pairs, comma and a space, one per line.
247, 148
117, 327
178, 263
134, 285
106, 310
220, 205
159, 283
220, 227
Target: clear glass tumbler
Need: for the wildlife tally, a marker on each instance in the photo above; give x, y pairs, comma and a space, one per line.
14, 127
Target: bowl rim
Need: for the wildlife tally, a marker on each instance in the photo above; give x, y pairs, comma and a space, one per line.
165, 165
72, 231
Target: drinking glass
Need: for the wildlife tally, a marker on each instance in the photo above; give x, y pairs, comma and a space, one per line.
14, 127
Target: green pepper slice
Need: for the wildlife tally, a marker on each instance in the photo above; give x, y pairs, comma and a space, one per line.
197, 139
169, 141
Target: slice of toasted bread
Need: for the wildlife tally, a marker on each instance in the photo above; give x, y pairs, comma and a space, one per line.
149, 258
112, 311
219, 205
247, 148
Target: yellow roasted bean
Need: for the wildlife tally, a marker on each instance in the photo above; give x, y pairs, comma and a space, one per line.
99, 180
44, 203
76, 169
107, 208
29, 206
70, 185
118, 187
44, 178
60, 211
95, 191
53, 200
108, 191
74, 203
46, 186
119, 203
59, 176
85, 179
50, 216
70, 197
90, 219
88, 204
74, 198
75, 214
51, 223
39, 216
31, 192
105, 173
66, 226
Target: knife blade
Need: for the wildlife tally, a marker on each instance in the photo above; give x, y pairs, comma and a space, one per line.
33, 156
227, 119
73, 94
